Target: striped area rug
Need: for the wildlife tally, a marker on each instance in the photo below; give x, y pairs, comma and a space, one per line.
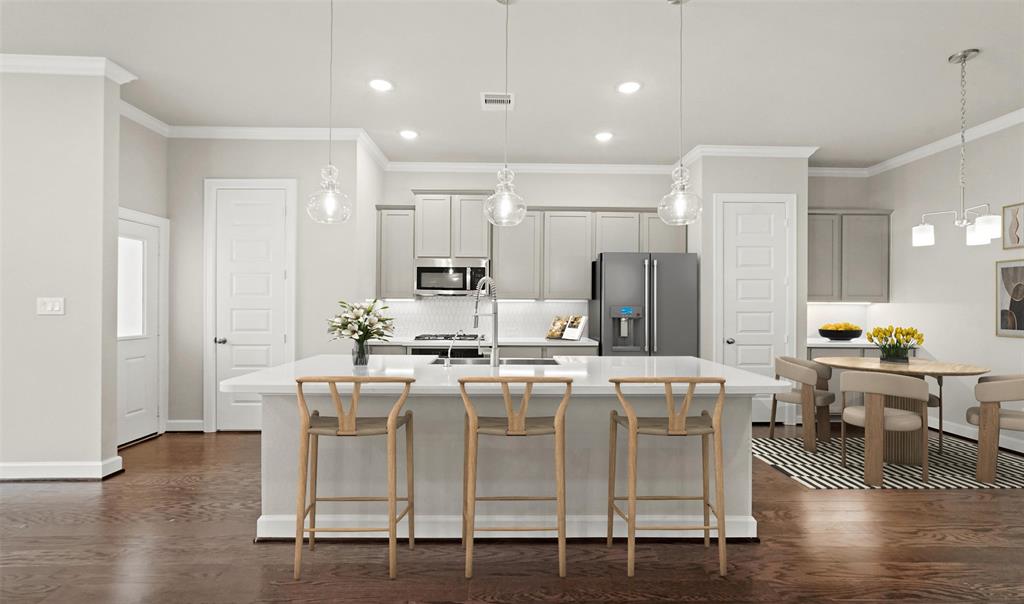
953, 469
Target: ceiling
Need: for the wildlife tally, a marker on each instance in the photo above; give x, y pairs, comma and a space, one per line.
863, 80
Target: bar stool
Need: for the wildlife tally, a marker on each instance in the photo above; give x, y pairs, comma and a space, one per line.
515, 423
347, 424
811, 394
677, 423
990, 417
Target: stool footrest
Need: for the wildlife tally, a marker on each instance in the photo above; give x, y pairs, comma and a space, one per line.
501, 529
664, 498
515, 498
361, 529
359, 498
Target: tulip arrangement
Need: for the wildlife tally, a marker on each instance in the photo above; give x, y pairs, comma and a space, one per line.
362, 322
895, 342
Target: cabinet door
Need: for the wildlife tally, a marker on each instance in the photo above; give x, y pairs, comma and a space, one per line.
823, 257
516, 265
568, 252
865, 258
396, 270
616, 232
471, 233
657, 237
433, 226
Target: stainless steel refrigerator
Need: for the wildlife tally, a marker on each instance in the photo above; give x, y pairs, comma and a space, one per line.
645, 304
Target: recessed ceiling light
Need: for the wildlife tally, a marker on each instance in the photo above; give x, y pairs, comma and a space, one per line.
381, 85
629, 87
603, 137
409, 134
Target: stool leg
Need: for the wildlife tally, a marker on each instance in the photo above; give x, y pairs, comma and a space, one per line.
824, 424
473, 441
314, 448
720, 500
842, 442
392, 503
560, 494
612, 438
409, 481
300, 500
465, 475
941, 431
771, 422
706, 500
631, 520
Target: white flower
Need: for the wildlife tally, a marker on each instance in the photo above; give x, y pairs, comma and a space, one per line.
358, 312
372, 320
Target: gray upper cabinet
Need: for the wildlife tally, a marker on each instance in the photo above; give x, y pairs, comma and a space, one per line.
568, 252
518, 258
396, 272
847, 256
865, 275
824, 257
471, 233
657, 237
433, 226
616, 232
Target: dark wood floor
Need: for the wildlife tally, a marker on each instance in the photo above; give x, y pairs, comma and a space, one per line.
178, 527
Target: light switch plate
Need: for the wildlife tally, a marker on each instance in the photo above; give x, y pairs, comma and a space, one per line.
49, 306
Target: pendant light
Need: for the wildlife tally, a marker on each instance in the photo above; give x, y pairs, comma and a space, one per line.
329, 205
681, 206
505, 207
979, 229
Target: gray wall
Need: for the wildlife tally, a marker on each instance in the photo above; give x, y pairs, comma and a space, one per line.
59, 222
143, 179
832, 192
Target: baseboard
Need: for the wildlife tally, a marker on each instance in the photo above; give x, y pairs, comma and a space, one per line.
184, 425
282, 526
61, 470
1007, 439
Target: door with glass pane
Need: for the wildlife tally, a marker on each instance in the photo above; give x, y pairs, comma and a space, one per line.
138, 320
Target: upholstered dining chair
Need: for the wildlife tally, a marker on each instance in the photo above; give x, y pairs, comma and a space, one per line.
811, 393
875, 387
991, 391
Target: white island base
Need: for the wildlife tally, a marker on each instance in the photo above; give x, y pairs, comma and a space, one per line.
507, 465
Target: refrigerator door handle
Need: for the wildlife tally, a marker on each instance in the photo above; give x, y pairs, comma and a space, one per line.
647, 305
654, 308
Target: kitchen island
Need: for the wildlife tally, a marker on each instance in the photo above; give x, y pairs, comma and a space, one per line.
506, 465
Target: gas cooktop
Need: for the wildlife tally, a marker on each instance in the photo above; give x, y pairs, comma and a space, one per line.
445, 336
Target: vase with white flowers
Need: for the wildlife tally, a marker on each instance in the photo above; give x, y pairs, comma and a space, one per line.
362, 322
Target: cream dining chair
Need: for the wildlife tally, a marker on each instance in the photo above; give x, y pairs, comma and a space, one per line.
811, 393
990, 418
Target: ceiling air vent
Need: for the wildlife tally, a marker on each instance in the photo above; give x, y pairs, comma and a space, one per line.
497, 101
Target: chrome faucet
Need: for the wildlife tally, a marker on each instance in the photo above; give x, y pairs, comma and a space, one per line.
489, 285
448, 359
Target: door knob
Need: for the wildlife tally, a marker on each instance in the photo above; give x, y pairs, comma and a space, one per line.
220, 340
730, 341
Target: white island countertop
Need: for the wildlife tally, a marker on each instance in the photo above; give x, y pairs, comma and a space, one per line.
590, 374
508, 341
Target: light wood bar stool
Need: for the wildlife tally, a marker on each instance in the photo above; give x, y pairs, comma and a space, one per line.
515, 423
812, 395
876, 418
348, 424
676, 423
991, 391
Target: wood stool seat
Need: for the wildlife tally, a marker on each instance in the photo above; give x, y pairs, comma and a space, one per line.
533, 426
325, 425
658, 426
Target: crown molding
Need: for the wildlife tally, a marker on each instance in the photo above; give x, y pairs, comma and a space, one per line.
65, 65
778, 152
144, 119
838, 172
488, 168
364, 140
269, 133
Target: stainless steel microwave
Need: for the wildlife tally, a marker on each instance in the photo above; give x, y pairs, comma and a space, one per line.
448, 277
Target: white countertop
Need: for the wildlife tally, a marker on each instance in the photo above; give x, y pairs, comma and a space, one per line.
502, 341
826, 343
590, 374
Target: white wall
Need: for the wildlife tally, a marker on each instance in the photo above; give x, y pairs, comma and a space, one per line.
143, 172
948, 291
59, 223
833, 192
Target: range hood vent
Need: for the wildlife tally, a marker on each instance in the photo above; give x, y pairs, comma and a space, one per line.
497, 101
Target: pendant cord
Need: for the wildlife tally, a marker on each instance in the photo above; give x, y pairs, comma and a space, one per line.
330, 95
507, 2
680, 84
963, 129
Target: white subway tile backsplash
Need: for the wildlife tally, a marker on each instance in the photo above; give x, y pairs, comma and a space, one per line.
450, 314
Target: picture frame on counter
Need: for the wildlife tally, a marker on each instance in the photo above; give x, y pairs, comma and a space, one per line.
1010, 298
1013, 226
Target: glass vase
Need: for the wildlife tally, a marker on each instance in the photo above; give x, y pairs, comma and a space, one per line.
360, 354
899, 355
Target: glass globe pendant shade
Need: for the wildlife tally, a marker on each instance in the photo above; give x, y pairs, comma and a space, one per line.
923, 235
505, 208
680, 207
329, 205
975, 236
990, 225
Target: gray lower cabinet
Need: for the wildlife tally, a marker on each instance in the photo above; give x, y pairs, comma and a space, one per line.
517, 260
657, 237
568, 251
824, 257
616, 232
847, 256
386, 349
520, 352
396, 267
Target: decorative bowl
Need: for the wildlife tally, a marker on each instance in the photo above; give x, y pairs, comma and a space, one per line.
840, 334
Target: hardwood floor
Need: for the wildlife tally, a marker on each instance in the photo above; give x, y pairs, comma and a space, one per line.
177, 526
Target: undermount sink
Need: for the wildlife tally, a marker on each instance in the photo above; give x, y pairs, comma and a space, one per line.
484, 361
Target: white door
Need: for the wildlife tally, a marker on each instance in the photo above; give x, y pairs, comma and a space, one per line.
138, 325
756, 288
250, 269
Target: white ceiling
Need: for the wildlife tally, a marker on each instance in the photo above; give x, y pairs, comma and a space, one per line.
863, 80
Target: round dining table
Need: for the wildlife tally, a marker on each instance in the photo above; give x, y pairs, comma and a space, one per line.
899, 447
